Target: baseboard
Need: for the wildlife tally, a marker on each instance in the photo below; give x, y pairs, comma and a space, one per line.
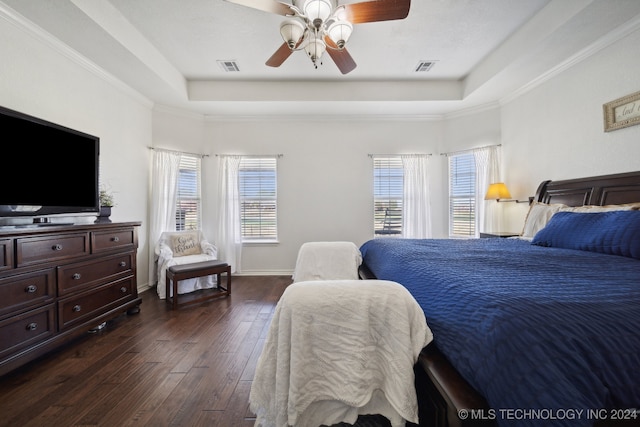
265, 273
145, 287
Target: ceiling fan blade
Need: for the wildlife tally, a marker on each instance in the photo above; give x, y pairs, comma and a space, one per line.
271, 6
377, 10
341, 57
279, 56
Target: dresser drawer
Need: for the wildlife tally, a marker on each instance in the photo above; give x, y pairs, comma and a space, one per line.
34, 250
24, 290
80, 275
102, 241
6, 254
26, 329
88, 305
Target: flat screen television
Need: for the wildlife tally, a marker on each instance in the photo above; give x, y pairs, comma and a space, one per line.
47, 169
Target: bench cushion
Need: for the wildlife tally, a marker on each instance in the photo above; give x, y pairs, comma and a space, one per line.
184, 268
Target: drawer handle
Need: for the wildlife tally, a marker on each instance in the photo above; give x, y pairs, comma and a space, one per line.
123, 289
123, 264
115, 239
77, 308
31, 289
57, 247
76, 276
32, 326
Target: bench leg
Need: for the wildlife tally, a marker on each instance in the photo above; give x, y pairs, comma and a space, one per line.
167, 295
171, 283
175, 294
228, 273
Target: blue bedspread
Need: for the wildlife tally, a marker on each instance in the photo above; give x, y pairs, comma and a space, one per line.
529, 327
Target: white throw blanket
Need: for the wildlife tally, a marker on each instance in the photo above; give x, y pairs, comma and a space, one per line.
327, 261
339, 348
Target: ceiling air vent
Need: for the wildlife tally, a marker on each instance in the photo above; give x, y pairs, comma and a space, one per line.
229, 66
424, 66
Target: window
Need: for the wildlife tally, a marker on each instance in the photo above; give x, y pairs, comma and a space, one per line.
388, 188
258, 213
462, 195
188, 198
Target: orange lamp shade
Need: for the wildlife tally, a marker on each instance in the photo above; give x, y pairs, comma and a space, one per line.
497, 191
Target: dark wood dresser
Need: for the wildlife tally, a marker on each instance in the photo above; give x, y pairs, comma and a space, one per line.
58, 282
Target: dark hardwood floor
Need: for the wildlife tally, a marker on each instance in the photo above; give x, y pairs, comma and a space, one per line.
190, 367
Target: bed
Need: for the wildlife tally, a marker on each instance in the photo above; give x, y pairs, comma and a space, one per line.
530, 332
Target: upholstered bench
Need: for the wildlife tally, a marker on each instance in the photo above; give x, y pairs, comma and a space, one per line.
197, 269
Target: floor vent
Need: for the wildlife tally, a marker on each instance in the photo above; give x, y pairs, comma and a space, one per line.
424, 66
229, 66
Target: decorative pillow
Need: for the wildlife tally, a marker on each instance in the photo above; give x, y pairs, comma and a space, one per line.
538, 216
185, 244
605, 208
613, 232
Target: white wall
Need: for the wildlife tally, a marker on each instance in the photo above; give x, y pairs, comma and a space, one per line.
50, 83
555, 131
324, 177
324, 174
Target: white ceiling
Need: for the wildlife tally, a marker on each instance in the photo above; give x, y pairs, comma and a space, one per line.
484, 51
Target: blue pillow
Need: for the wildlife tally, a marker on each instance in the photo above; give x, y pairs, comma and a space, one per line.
613, 233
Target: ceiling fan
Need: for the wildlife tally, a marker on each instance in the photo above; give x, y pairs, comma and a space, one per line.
319, 26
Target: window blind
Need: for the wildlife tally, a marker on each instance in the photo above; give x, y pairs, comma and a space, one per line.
258, 198
462, 200
188, 203
388, 189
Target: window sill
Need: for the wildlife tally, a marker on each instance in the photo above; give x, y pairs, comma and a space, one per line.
260, 242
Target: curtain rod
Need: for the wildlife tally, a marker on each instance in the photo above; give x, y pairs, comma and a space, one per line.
453, 153
252, 155
398, 155
179, 152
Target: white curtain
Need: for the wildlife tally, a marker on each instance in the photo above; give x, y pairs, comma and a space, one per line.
164, 185
416, 218
488, 214
229, 231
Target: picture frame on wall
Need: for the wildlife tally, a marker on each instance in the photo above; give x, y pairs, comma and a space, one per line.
622, 112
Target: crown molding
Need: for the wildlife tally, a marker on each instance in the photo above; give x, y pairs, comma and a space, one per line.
612, 37
473, 110
324, 118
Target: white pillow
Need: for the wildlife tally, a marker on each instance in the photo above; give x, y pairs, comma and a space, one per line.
538, 216
606, 208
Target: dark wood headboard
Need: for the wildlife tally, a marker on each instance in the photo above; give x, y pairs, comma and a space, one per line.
599, 190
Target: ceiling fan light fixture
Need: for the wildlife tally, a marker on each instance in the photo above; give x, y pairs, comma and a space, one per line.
319, 26
339, 32
317, 11
315, 49
291, 32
